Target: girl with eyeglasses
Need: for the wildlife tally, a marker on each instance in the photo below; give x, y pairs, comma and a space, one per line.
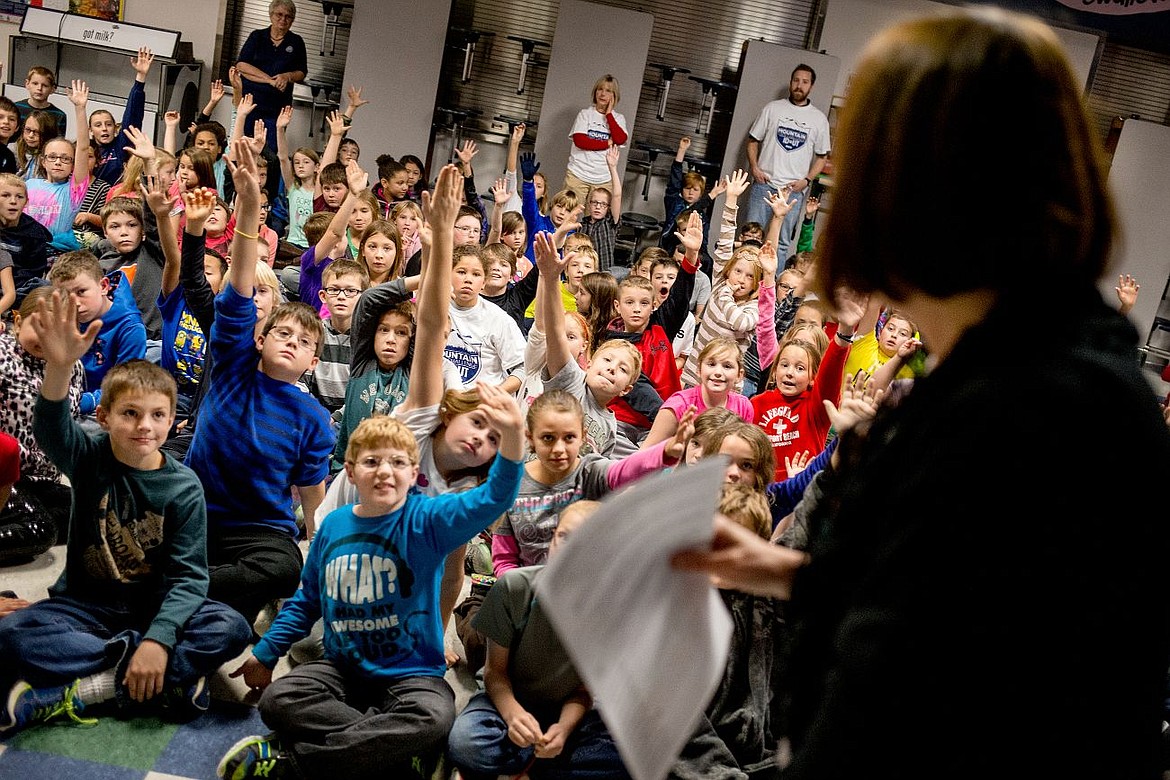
55, 195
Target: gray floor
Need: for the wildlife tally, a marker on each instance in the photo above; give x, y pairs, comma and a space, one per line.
32, 580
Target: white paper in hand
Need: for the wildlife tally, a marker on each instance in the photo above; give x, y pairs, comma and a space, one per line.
649, 641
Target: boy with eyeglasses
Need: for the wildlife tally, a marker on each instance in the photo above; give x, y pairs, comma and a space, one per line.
343, 282
258, 433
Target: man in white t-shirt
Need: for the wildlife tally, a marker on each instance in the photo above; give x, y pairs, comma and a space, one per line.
787, 146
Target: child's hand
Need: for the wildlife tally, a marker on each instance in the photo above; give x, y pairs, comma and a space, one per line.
9, 605
284, 118
79, 219
336, 123
780, 203
242, 165
79, 94
502, 412
236, 80
141, 143
692, 239
850, 308
552, 743
768, 260
217, 89
718, 188
247, 105
523, 728
357, 178
811, 204
859, 402
354, 94
1127, 292
548, 261
171, 119
612, 154
259, 137
500, 192
676, 448
141, 63
518, 133
908, 348
571, 223
466, 152
684, 143
256, 675
441, 206
147, 669
197, 205
528, 165
795, 465
157, 199
55, 324
737, 183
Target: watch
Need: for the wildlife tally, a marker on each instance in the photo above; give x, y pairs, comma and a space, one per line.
808, 179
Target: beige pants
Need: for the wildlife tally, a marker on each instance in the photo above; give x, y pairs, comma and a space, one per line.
582, 187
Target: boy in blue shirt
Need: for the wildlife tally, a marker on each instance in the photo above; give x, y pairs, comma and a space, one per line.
258, 433
122, 337
378, 703
128, 620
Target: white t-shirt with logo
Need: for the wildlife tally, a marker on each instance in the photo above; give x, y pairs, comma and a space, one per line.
789, 137
485, 343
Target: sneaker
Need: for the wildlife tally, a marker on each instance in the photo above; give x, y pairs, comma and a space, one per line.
191, 700
253, 757
27, 705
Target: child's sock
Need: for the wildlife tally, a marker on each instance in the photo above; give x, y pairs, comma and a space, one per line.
97, 687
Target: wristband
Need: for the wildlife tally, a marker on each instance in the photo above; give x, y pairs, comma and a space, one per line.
242, 234
852, 337
808, 179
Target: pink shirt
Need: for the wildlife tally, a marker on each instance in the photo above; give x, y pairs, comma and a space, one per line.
693, 396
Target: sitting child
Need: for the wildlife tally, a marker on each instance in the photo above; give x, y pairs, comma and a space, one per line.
342, 282
128, 620
535, 706
378, 701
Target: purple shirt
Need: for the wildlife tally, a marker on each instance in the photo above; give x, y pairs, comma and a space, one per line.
311, 273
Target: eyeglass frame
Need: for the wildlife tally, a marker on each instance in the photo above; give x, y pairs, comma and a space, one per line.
286, 335
342, 292
58, 158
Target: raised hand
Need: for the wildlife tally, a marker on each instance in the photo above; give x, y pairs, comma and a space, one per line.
780, 204
684, 143
504, 415
718, 188
612, 154
236, 80
55, 324
737, 183
518, 133
197, 205
548, 260
157, 198
795, 464
692, 238
466, 152
357, 178
443, 204
500, 192
284, 118
1127, 292
354, 94
141, 63
79, 93
571, 223
811, 204
676, 448
242, 165
336, 123
141, 145
171, 119
768, 260
859, 402
247, 105
217, 92
259, 137
528, 165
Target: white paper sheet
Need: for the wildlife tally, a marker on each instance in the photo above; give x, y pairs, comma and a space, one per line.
649, 641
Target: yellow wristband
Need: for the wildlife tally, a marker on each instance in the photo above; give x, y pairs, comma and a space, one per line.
242, 234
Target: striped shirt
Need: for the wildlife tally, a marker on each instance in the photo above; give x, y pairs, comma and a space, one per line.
328, 380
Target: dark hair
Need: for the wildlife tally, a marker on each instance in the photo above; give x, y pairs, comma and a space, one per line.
807, 69
410, 158
216, 129
603, 291
388, 167
219, 258
924, 101
49, 130
203, 165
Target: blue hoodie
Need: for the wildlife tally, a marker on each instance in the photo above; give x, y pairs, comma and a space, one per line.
122, 338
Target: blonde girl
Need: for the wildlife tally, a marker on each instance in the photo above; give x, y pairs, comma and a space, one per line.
751, 460
733, 310
720, 371
380, 249
365, 210
408, 219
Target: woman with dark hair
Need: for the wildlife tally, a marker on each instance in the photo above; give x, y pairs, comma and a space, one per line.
934, 635
272, 59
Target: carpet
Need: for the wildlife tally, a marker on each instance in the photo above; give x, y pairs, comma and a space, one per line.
141, 748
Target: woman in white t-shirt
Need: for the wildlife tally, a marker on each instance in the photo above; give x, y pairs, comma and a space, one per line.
595, 129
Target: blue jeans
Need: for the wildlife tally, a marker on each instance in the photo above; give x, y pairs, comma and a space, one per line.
60, 639
758, 210
479, 746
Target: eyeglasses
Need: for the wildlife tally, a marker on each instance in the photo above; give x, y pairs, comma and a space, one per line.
291, 337
58, 158
784, 286
599, 203
470, 230
371, 463
264, 207
342, 292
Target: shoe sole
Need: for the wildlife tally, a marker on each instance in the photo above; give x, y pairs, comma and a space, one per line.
221, 768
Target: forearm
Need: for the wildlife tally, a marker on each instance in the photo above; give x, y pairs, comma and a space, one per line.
311, 498
55, 385
753, 153
573, 710
252, 73
818, 165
